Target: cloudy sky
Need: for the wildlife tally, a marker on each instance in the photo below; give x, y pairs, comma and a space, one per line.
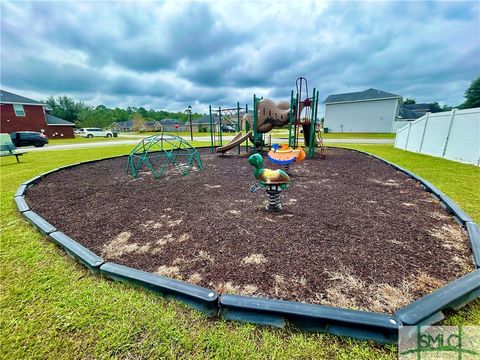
168, 55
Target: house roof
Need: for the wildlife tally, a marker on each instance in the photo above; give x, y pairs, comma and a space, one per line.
405, 113
11, 98
53, 120
369, 94
206, 120
169, 121
416, 107
150, 123
124, 124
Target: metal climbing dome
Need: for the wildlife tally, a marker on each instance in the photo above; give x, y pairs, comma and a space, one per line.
157, 151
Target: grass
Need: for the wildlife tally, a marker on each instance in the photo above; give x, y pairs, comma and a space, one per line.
51, 307
122, 136
358, 135
185, 134
284, 132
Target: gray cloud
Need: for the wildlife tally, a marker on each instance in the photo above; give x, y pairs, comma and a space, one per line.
172, 54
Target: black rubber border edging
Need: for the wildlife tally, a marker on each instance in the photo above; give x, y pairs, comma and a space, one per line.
203, 299
363, 325
22, 205
310, 317
428, 310
474, 236
77, 251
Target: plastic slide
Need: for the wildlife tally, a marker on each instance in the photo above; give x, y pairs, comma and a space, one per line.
237, 140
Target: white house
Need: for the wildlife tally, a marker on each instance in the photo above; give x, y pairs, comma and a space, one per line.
372, 110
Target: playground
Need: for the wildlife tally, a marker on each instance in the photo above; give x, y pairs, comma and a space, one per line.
335, 243
266, 232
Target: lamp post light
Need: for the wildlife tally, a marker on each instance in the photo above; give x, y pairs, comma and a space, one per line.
189, 110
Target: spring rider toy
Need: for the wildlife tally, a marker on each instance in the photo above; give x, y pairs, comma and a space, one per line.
273, 180
285, 155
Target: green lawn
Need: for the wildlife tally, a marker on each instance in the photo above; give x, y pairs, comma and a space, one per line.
51, 307
284, 132
358, 135
181, 133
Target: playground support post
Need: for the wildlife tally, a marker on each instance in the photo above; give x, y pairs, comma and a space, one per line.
297, 120
257, 136
220, 124
238, 123
255, 115
247, 128
311, 140
290, 143
211, 129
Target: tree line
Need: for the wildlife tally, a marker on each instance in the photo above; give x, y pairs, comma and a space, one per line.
472, 99
101, 116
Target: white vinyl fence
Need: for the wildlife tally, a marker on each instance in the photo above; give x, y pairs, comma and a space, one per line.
453, 135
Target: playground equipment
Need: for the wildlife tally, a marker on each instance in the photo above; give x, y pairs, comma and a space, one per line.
299, 112
285, 155
305, 115
226, 116
237, 140
157, 151
268, 115
273, 180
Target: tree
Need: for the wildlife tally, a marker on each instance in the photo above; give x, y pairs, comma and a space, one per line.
408, 101
101, 116
472, 95
65, 107
138, 121
141, 110
435, 107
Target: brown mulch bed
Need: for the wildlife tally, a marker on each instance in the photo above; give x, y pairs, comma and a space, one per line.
354, 232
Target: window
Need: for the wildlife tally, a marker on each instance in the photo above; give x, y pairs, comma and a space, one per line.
19, 111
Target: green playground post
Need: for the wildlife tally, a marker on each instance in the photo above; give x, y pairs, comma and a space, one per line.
211, 129
247, 127
255, 135
311, 142
297, 117
238, 123
220, 124
291, 121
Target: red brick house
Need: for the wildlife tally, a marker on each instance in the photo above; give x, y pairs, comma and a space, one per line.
18, 113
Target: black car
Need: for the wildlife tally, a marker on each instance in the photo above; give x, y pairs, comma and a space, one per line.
27, 138
228, 128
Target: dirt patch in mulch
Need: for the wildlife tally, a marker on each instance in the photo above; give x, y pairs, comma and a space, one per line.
354, 232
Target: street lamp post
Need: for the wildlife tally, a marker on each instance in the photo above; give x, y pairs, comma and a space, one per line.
189, 110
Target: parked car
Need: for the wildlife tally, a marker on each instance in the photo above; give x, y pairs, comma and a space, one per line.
28, 138
94, 132
228, 128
